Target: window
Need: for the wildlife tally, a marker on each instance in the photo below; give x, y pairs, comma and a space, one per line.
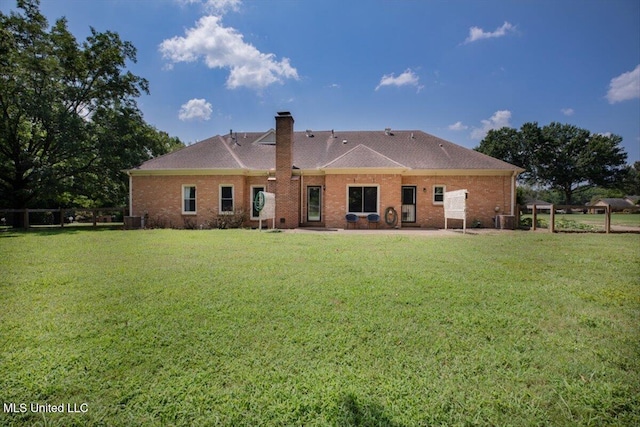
254, 191
362, 199
226, 198
188, 199
438, 194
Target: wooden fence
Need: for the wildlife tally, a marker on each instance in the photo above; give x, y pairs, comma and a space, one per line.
25, 222
569, 208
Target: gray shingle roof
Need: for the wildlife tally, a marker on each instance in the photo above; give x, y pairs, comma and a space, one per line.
329, 150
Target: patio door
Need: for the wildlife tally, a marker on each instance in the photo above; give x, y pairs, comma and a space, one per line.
314, 203
408, 203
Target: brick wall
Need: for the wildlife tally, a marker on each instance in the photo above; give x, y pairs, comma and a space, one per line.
161, 198
485, 194
335, 200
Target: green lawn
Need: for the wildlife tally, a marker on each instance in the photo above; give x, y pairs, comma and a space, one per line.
238, 327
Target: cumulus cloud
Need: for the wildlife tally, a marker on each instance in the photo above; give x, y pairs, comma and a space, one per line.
567, 111
499, 120
624, 87
458, 126
408, 78
477, 33
224, 47
195, 109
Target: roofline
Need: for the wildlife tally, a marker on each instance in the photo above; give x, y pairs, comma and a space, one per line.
350, 171
326, 171
187, 172
463, 172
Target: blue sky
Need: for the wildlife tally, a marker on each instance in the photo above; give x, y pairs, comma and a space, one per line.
453, 69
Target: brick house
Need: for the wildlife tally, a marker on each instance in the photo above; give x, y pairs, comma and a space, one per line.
319, 177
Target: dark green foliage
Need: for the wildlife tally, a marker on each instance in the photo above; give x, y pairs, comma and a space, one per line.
561, 157
59, 99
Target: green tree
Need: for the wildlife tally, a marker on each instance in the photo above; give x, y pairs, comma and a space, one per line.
513, 146
55, 97
571, 159
560, 157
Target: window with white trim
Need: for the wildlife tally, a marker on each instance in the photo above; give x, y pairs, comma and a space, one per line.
438, 194
226, 199
188, 199
362, 198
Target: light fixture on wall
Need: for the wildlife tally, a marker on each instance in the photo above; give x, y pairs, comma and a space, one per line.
424, 189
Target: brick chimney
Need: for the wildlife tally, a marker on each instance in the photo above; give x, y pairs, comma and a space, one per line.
287, 186
284, 143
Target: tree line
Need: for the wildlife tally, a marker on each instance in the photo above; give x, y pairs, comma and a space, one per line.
564, 161
69, 121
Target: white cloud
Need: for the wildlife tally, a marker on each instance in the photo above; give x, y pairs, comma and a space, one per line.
499, 120
457, 126
224, 47
223, 6
195, 109
408, 78
567, 111
477, 33
218, 7
624, 87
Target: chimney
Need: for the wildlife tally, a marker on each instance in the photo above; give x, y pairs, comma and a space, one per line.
287, 186
284, 143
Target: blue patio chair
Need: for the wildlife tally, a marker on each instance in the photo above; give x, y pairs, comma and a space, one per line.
351, 219
373, 219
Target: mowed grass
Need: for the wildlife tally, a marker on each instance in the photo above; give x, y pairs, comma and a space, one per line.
242, 328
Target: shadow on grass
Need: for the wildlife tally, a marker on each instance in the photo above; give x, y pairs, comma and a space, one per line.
354, 412
56, 230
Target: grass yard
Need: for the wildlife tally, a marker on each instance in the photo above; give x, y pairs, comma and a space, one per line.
241, 328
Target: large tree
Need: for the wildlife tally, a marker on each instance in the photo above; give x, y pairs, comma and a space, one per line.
560, 157
56, 96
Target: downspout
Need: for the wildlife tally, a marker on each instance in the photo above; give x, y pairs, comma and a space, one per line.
301, 198
513, 193
130, 194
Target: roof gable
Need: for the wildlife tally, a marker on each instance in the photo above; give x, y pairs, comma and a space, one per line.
362, 157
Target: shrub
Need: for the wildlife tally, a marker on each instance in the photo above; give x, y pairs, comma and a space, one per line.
233, 219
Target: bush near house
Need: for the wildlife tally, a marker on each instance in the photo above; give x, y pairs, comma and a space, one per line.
238, 327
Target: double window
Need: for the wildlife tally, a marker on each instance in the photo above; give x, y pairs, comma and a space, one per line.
362, 199
188, 199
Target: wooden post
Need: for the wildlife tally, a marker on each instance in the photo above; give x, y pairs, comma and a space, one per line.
26, 219
607, 219
61, 218
93, 213
534, 217
552, 219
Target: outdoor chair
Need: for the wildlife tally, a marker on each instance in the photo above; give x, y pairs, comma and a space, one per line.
351, 219
373, 219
